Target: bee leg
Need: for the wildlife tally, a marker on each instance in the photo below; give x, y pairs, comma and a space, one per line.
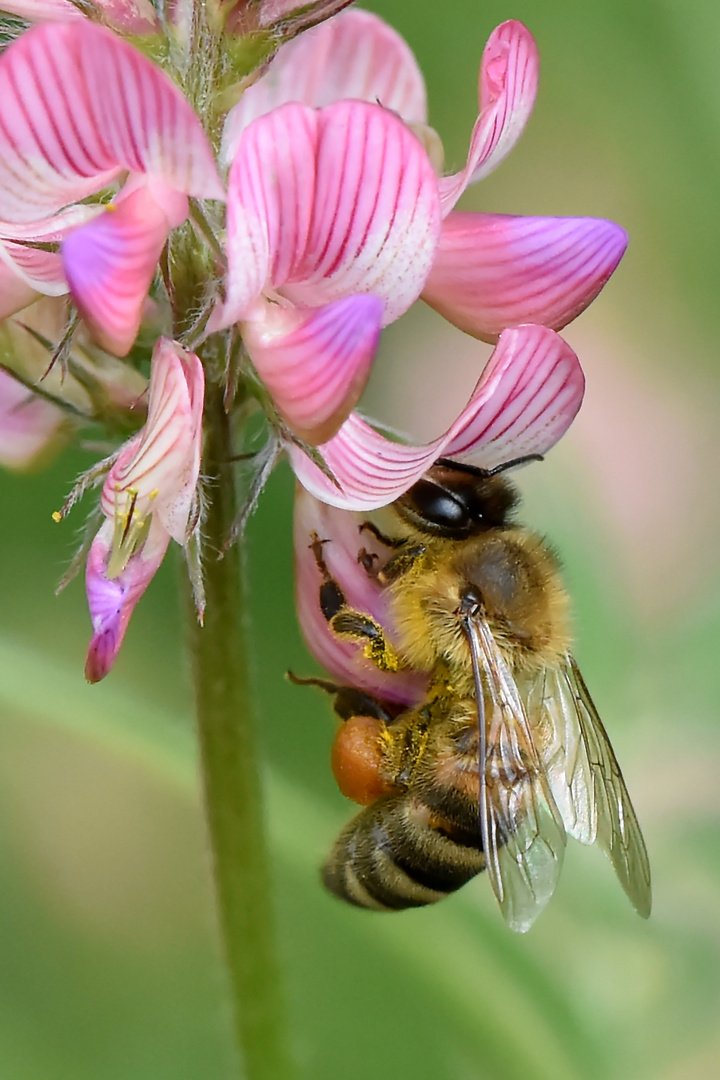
387, 541
400, 564
362, 628
348, 623
349, 701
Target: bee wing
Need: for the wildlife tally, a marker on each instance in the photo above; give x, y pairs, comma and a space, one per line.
522, 831
587, 783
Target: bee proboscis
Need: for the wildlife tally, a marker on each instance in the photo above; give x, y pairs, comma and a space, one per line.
506, 755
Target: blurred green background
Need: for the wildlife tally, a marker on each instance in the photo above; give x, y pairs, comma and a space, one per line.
109, 968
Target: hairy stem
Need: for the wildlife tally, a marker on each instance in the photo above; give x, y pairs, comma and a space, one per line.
233, 797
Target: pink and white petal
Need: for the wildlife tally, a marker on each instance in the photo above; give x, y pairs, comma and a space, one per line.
130, 16
343, 659
112, 601
492, 271
525, 400
157, 469
354, 55
39, 270
28, 424
137, 17
507, 88
315, 362
271, 189
110, 264
78, 107
376, 216
43, 10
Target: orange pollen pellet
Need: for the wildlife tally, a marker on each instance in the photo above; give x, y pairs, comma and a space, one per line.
357, 757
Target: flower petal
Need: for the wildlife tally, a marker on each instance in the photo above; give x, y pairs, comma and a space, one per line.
354, 55
343, 659
492, 271
112, 600
506, 91
78, 105
130, 16
315, 362
525, 400
15, 291
157, 470
323, 204
110, 264
43, 10
36, 270
28, 424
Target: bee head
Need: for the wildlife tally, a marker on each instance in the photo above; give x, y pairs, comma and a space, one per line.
455, 500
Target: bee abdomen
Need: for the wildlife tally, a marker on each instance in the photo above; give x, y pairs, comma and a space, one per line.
397, 854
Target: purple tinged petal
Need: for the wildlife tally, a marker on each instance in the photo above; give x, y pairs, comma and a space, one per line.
354, 55
525, 400
112, 600
492, 271
110, 264
315, 362
343, 659
507, 88
78, 106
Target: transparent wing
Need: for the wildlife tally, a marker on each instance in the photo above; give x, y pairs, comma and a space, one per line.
586, 780
522, 831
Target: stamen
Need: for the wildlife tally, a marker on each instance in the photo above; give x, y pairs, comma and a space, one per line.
129, 533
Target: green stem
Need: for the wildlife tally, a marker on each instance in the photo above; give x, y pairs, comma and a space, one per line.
233, 797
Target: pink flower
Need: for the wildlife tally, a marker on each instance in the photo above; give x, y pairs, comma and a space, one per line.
29, 426
80, 109
337, 222
148, 499
525, 400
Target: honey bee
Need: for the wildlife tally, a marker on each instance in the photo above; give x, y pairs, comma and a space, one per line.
506, 755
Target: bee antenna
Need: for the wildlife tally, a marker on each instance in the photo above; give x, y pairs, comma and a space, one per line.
475, 470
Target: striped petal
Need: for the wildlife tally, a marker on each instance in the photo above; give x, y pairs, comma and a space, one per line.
110, 263
525, 400
77, 107
36, 271
492, 271
506, 91
315, 362
354, 55
327, 203
157, 471
343, 659
112, 600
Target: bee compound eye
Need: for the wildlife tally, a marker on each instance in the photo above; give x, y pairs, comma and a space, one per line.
437, 506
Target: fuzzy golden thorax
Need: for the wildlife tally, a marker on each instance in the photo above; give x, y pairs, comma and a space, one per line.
516, 580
